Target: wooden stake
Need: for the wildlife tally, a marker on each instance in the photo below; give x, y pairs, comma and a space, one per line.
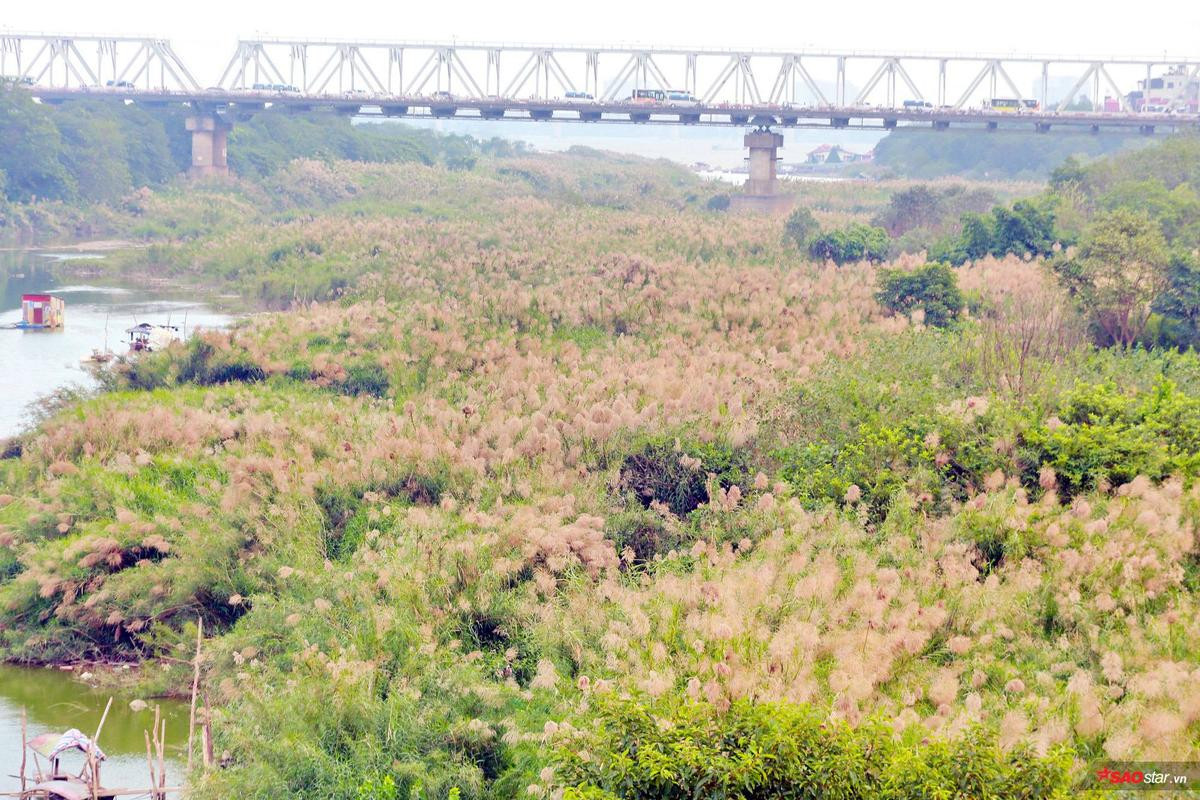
195, 688
150, 762
162, 767
93, 768
23, 748
157, 752
207, 731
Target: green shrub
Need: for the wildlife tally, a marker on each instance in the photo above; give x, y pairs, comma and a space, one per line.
643, 533
203, 364
1103, 435
660, 469
855, 242
681, 751
932, 288
366, 378
148, 371
801, 227
718, 202
1026, 229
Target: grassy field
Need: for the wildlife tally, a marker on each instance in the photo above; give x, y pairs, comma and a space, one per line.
559, 446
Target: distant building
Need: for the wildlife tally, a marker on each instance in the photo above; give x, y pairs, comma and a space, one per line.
835, 154
1176, 90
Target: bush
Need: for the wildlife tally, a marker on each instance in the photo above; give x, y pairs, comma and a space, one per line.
801, 227
675, 473
367, 378
855, 242
1026, 229
932, 288
644, 534
148, 371
204, 365
681, 751
718, 202
1105, 436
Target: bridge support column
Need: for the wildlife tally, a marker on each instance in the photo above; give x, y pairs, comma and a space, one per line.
762, 189
210, 135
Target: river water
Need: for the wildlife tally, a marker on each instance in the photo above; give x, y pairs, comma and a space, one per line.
54, 701
35, 363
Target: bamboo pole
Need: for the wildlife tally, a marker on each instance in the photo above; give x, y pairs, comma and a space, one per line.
149, 760
157, 751
162, 767
207, 730
195, 689
24, 747
93, 768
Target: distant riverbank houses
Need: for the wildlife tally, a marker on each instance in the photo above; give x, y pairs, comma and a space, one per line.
836, 154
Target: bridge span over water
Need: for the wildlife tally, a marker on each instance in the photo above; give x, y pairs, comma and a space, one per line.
762, 89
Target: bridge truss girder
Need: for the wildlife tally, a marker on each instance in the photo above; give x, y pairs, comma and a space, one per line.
92, 61
537, 72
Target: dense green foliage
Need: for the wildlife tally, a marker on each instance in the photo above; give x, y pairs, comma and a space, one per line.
1138, 217
932, 208
681, 751
88, 151
1011, 154
1104, 422
268, 142
1120, 269
801, 227
1025, 229
96, 151
854, 242
931, 288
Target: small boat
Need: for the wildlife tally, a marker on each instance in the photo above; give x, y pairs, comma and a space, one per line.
52, 780
56, 783
98, 357
145, 338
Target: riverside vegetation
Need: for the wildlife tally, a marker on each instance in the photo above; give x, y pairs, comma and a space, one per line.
551, 481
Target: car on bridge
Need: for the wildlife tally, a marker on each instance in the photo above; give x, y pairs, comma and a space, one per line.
647, 97
679, 97
579, 97
119, 85
918, 105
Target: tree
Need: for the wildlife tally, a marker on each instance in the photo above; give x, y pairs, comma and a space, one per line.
1118, 271
32, 149
1026, 229
915, 207
801, 226
932, 288
855, 242
1179, 302
1068, 175
92, 152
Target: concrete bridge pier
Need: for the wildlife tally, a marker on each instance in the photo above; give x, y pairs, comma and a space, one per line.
210, 133
762, 188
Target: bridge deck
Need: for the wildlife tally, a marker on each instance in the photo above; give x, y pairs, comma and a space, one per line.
247, 102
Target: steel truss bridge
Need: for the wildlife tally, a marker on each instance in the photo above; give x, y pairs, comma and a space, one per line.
595, 84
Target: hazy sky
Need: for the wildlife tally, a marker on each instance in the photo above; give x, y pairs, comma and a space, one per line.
204, 32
